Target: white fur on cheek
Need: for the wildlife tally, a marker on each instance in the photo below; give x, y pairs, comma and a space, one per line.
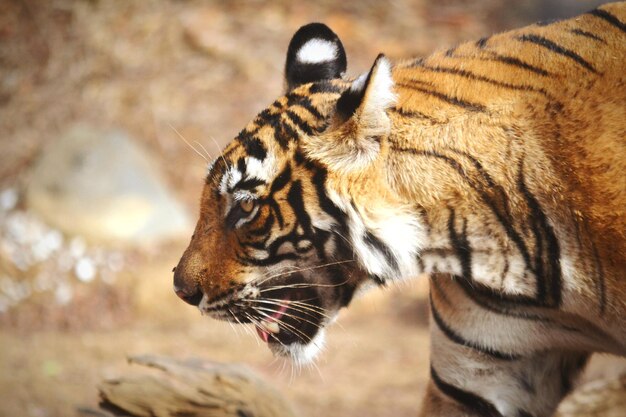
316, 51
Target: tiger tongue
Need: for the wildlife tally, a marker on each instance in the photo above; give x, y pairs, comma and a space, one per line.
270, 325
263, 334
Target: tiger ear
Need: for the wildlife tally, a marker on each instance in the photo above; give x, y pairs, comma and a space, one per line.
352, 140
315, 53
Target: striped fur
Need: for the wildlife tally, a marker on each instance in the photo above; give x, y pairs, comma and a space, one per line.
496, 167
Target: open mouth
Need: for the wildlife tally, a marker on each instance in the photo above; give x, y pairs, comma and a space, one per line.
288, 316
269, 326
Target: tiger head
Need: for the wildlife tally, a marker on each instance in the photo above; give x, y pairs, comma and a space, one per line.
282, 240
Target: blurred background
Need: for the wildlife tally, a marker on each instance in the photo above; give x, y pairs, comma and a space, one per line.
109, 111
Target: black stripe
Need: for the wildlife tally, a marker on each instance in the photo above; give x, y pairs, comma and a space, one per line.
600, 284
296, 201
413, 113
498, 302
265, 227
241, 165
461, 245
552, 46
415, 62
608, 17
324, 87
304, 102
285, 134
384, 250
448, 99
247, 184
459, 340
482, 42
281, 180
297, 120
587, 35
477, 77
516, 62
550, 258
253, 146
325, 203
472, 402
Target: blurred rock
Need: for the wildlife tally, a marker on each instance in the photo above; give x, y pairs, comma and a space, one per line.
192, 387
601, 398
101, 185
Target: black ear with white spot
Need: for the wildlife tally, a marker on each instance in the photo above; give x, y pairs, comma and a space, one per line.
353, 139
315, 53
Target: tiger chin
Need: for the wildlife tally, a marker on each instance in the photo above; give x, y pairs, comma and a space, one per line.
495, 167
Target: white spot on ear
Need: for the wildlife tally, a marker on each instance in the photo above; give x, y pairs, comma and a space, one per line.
316, 51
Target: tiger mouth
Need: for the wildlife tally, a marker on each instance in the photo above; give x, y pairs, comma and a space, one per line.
287, 316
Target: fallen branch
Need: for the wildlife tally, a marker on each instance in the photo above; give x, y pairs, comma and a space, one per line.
198, 388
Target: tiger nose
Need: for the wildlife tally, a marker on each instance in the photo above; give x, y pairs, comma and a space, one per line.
189, 294
193, 298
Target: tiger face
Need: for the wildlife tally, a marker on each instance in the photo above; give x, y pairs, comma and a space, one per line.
271, 246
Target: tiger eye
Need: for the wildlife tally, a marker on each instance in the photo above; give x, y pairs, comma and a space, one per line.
246, 205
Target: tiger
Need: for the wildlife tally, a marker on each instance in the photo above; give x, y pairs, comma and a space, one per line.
495, 167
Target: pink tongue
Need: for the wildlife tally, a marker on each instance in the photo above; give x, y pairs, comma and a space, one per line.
264, 334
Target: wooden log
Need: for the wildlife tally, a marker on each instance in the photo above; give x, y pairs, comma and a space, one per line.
198, 388
189, 388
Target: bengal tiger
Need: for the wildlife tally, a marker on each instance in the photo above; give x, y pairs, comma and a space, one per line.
497, 167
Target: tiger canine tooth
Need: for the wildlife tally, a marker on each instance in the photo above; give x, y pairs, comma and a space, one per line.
272, 327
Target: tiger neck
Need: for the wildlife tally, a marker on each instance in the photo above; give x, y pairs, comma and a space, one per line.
438, 204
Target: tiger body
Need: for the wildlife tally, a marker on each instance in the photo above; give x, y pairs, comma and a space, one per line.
496, 167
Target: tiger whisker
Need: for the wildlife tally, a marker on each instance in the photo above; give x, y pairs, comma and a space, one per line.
230, 323
302, 285
288, 326
271, 310
297, 269
204, 149
257, 323
220, 150
246, 329
304, 308
188, 144
298, 305
302, 304
310, 312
